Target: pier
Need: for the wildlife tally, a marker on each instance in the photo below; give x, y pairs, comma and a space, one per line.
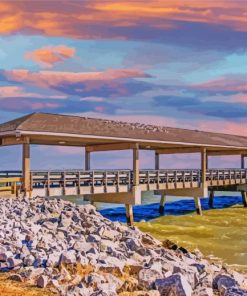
120, 186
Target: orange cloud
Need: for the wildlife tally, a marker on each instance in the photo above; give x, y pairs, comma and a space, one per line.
92, 19
50, 55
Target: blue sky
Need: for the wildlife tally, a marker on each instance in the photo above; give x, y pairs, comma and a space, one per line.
163, 63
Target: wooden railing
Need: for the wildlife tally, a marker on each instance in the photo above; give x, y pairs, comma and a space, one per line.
125, 177
11, 180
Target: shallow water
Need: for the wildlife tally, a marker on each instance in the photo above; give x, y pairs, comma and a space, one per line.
221, 232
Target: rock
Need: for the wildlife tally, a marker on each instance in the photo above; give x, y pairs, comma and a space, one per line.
233, 291
203, 291
176, 283
12, 263
147, 277
223, 280
15, 277
42, 281
68, 257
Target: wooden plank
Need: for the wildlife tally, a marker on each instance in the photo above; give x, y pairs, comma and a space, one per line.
110, 147
179, 150
13, 140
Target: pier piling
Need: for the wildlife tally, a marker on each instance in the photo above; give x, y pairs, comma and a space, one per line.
211, 199
198, 205
129, 215
244, 197
162, 204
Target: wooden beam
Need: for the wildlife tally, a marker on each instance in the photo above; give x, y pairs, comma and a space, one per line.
226, 152
87, 160
162, 203
242, 161
8, 141
157, 161
110, 147
136, 164
203, 169
198, 205
179, 150
26, 167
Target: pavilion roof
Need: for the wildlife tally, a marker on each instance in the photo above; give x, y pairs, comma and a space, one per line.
56, 124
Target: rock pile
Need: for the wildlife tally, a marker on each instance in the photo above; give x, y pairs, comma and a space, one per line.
77, 252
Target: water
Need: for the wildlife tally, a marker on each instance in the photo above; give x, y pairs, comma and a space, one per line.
220, 232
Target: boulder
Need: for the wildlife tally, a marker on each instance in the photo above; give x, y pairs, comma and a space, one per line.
147, 277
176, 284
223, 280
42, 281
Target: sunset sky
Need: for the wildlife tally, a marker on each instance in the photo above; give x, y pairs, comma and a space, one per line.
165, 62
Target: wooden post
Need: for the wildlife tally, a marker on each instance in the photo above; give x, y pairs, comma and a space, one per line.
26, 167
162, 203
87, 160
242, 161
157, 161
198, 205
204, 171
211, 199
136, 168
206, 161
129, 215
244, 197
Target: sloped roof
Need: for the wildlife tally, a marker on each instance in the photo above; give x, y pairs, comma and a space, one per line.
43, 123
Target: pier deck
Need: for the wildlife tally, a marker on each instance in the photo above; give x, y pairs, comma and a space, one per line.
121, 186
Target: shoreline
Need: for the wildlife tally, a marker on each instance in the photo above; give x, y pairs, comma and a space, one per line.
74, 250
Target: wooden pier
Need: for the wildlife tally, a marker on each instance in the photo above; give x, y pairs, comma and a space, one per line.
120, 186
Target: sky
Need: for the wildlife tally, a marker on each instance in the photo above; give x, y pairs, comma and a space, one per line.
165, 62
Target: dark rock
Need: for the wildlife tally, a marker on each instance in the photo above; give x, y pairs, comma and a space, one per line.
175, 285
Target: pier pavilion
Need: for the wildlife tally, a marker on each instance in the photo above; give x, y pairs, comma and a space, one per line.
121, 186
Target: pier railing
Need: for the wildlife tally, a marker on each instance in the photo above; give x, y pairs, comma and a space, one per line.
120, 180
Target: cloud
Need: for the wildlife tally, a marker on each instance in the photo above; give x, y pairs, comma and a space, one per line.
229, 84
202, 24
48, 56
109, 83
192, 105
19, 92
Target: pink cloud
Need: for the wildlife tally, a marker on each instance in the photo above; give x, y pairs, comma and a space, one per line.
19, 92
235, 83
46, 79
48, 56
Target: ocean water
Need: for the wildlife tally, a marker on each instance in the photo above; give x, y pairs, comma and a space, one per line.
220, 233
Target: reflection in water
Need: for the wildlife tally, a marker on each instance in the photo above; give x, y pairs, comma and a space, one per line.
220, 232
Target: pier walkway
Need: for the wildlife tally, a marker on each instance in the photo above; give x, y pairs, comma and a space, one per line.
121, 186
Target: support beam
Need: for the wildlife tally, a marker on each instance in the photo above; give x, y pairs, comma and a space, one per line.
87, 160
204, 171
226, 152
12, 140
110, 147
242, 161
136, 165
26, 167
157, 161
211, 199
244, 197
162, 203
129, 214
198, 205
179, 150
